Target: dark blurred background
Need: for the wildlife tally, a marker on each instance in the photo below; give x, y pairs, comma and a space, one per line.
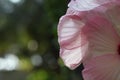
29, 49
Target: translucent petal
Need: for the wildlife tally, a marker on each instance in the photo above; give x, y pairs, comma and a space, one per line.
113, 14
102, 37
85, 5
73, 43
85, 36
106, 67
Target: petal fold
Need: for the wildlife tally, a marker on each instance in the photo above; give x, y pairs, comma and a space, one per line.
73, 43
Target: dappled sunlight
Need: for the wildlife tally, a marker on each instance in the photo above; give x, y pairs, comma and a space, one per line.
28, 40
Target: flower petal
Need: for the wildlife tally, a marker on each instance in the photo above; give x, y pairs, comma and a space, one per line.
106, 67
82, 5
82, 36
73, 43
101, 35
85, 5
113, 14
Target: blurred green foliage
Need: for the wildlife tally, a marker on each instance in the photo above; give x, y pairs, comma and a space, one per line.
30, 28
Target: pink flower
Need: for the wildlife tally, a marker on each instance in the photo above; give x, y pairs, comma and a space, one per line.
89, 33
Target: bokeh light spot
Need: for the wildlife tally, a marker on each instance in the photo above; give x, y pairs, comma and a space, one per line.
33, 45
15, 1
36, 60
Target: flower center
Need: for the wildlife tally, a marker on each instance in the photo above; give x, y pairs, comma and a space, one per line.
119, 49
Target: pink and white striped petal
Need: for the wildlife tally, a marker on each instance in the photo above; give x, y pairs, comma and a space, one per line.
102, 37
105, 67
85, 5
73, 43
